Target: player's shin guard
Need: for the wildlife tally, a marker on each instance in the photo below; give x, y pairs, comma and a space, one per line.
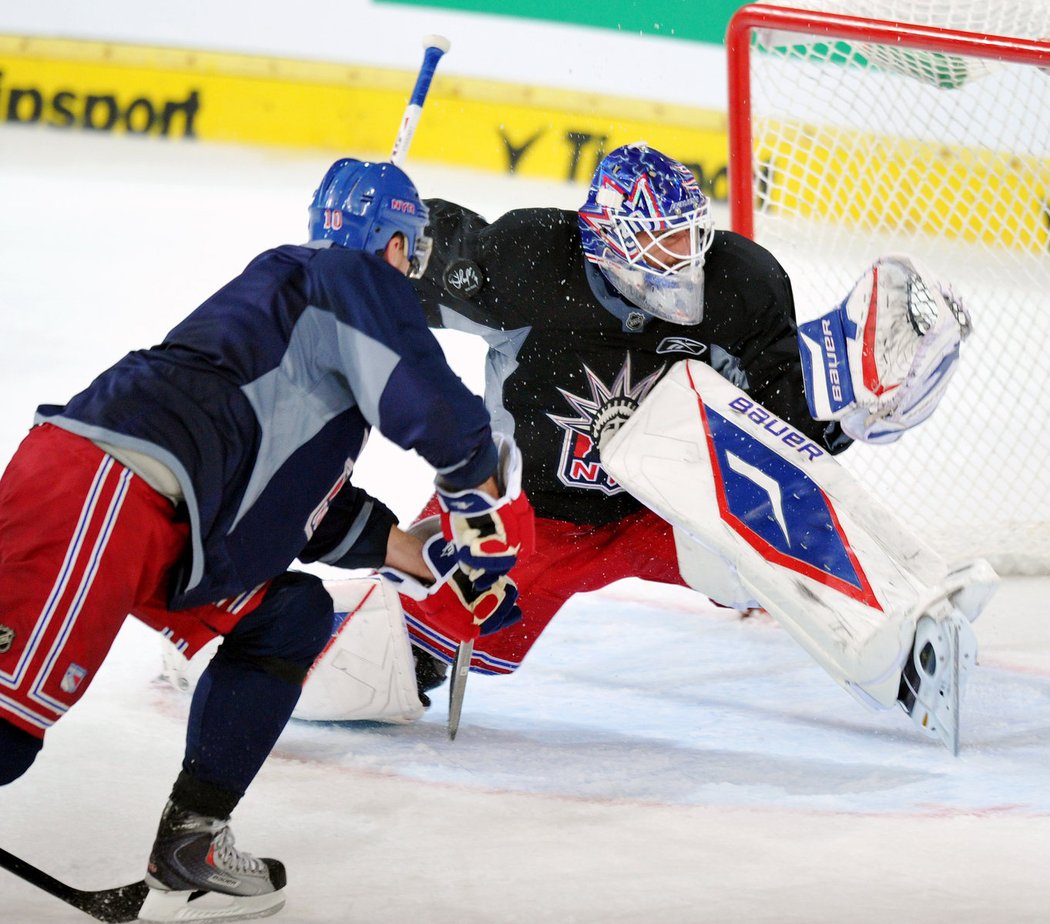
18, 750
247, 693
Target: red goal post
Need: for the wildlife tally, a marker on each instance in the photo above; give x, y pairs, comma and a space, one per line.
852, 135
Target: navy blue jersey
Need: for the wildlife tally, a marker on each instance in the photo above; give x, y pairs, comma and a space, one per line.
260, 402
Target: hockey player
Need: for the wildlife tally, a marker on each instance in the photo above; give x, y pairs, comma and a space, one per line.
181, 484
584, 313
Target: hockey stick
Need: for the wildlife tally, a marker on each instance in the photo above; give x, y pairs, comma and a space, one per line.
458, 685
112, 905
434, 46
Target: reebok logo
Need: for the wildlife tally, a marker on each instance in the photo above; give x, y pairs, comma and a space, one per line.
681, 345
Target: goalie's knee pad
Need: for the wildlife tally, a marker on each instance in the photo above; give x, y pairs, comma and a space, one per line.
287, 631
18, 750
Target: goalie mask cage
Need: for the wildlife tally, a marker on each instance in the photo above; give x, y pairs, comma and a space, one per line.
854, 134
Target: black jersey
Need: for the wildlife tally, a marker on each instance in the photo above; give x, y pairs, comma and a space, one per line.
562, 348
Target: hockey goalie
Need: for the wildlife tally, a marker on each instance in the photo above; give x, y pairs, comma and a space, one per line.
762, 516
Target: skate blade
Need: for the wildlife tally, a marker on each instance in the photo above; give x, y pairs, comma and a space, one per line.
161, 906
938, 714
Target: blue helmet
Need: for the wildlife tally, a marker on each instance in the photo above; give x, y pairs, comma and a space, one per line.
647, 225
361, 205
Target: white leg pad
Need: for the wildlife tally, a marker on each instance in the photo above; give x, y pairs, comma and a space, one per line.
791, 525
365, 673
710, 573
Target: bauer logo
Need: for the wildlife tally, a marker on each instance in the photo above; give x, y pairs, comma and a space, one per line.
774, 506
98, 110
773, 425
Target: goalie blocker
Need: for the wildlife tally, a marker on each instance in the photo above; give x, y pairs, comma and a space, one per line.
764, 516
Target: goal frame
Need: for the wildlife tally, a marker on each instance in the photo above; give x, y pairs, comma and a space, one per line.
741, 175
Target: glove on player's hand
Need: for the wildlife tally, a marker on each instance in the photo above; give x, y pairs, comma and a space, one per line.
452, 603
490, 534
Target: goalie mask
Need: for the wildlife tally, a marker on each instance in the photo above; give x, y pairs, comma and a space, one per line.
361, 205
647, 226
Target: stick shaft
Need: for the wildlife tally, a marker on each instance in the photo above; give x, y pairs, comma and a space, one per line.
435, 47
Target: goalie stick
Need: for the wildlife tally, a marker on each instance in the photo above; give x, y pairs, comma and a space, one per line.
112, 905
458, 685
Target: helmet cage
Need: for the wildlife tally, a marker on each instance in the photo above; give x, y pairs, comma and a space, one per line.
648, 226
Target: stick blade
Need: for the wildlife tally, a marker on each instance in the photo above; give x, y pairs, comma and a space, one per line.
458, 685
115, 906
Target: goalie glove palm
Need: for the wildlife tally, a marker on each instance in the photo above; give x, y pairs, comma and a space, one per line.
881, 361
454, 604
490, 534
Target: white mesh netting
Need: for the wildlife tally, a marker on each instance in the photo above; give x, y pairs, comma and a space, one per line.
862, 148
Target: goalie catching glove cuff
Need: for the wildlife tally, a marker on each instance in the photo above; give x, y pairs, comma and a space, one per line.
453, 604
490, 533
881, 361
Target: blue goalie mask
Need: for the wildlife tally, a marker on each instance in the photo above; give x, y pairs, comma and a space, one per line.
361, 205
647, 226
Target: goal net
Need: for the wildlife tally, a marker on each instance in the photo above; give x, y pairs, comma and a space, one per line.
874, 126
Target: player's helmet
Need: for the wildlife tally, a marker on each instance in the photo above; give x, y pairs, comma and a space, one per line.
639, 204
361, 205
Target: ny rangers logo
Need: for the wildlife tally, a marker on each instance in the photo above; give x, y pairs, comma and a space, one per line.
606, 408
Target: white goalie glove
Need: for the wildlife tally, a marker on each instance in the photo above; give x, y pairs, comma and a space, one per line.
881, 361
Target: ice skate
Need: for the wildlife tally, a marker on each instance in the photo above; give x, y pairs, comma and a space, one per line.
196, 874
931, 684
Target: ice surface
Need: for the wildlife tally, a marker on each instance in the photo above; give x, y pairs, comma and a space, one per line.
655, 760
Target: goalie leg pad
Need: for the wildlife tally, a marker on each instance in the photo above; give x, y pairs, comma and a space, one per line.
364, 673
799, 535
711, 574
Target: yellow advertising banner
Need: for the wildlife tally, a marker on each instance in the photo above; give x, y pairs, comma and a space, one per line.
179, 95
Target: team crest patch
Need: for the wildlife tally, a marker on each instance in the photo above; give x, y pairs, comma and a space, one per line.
7, 638
597, 416
463, 278
75, 675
